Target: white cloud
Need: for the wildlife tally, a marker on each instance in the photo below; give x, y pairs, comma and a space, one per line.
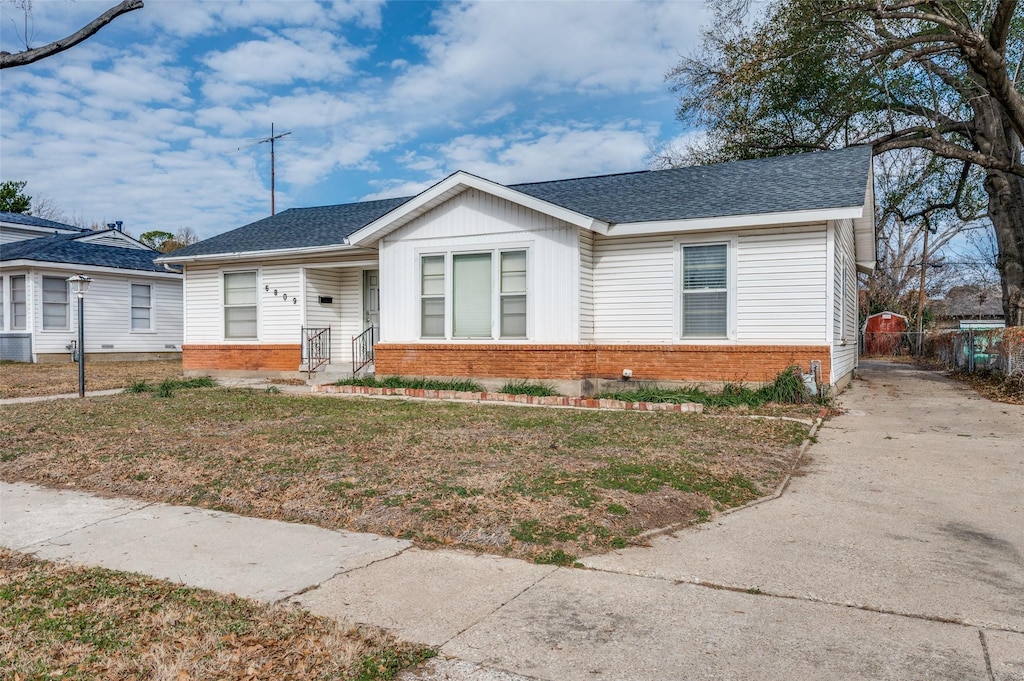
278, 59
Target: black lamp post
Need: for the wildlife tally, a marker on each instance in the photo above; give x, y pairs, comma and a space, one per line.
79, 285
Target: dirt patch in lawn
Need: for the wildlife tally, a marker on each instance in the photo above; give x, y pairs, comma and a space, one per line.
542, 484
78, 623
29, 380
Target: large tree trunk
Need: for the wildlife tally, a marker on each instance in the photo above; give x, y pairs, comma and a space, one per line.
996, 137
1006, 209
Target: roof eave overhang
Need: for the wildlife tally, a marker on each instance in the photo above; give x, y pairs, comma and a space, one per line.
275, 254
726, 222
452, 186
864, 246
80, 267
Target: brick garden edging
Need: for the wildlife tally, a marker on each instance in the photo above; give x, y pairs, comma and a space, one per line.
556, 401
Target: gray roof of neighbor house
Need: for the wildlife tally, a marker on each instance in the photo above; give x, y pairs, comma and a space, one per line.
23, 219
800, 182
68, 249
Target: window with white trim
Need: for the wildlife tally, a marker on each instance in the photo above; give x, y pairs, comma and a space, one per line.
432, 296
142, 307
477, 290
240, 297
3, 304
55, 303
513, 294
19, 304
705, 291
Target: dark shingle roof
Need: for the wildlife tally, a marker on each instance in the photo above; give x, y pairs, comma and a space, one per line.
295, 228
22, 219
817, 181
782, 184
68, 249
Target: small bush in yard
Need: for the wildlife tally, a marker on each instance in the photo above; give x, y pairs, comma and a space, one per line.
787, 388
527, 388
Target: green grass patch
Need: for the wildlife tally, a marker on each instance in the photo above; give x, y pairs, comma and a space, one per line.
787, 388
413, 383
167, 387
527, 388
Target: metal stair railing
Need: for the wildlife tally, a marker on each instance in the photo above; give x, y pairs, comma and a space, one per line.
316, 348
362, 348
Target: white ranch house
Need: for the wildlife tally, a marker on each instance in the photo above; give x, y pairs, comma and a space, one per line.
133, 309
729, 272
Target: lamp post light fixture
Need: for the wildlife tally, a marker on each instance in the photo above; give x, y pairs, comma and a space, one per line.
79, 285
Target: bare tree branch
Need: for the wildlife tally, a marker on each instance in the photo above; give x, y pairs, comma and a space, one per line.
8, 60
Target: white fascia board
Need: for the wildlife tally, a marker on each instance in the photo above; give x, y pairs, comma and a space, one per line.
455, 184
254, 255
864, 244
87, 269
733, 221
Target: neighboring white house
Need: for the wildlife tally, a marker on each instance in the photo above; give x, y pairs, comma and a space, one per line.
729, 272
133, 309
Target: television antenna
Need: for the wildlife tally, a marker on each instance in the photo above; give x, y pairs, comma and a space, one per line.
264, 140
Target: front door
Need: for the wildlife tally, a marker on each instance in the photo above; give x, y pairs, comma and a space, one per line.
371, 299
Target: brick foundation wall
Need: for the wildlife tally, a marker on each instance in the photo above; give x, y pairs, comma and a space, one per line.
241, 357
751, 363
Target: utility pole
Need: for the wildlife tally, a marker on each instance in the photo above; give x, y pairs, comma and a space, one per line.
920, 295
271, 140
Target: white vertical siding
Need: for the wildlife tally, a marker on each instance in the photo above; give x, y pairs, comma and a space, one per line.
781, 292
844, 312
586, 238
108, 315
476, 220
634, 289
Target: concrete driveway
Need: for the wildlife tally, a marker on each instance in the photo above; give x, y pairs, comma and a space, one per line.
897, 554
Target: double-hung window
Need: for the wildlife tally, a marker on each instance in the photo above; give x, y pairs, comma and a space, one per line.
142, 307
705, 292
487, 292
3, 304
19, 307
240, 295
55, 303
432, 290
513, 294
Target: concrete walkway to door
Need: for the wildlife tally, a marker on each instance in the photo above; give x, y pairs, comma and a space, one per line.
897, 554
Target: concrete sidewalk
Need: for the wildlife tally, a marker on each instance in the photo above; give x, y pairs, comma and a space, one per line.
897, 555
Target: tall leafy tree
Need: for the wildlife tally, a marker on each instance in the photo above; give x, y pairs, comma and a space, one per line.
13, 199
940, 76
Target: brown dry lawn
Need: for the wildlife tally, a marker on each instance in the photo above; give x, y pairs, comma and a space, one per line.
89, 623
30, 380
541, 484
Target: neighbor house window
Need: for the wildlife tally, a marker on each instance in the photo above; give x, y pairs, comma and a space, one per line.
432, 296
705, 291
240, 304
142, 307
513, 294
471, 295
3, 303
19, 307
55, 303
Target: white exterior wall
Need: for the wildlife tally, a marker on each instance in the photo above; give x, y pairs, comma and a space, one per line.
778, 289
474, 220
843, 307
9, 233
343, 314
279, 320
634, 289
586, 285
107, 312
781, 289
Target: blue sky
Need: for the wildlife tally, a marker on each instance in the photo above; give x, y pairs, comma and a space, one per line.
382, 99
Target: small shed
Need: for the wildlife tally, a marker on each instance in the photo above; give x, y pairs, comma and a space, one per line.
883, 332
